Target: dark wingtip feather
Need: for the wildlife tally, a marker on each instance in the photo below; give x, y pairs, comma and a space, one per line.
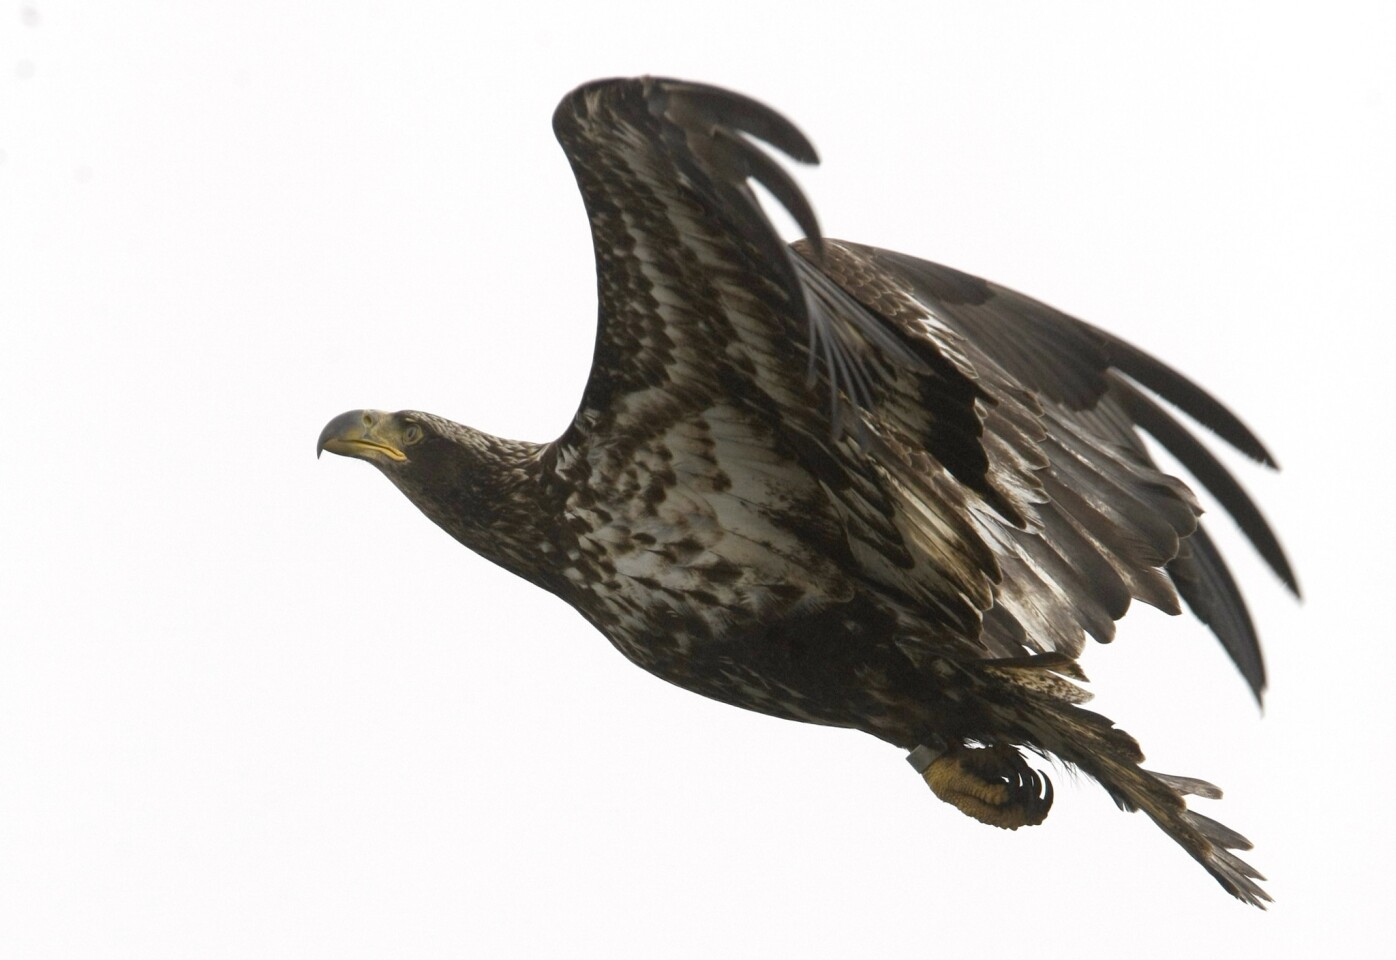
1183, 394
731, 118
765, 171
1210, 472
742, 113
1206, 584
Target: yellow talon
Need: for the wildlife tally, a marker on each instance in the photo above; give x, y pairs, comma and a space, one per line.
993, 785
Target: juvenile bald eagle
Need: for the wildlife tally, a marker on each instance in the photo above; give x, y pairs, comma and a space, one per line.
841, 485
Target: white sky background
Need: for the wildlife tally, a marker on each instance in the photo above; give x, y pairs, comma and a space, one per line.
252, 704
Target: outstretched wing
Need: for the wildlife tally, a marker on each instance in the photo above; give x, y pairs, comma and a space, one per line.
718, 351
691, 276
1062, 408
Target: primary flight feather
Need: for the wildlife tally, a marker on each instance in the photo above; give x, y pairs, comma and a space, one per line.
842, 485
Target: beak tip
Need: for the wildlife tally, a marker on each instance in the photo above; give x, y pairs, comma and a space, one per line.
345, 421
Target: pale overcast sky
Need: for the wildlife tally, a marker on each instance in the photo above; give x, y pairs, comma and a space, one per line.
255, 705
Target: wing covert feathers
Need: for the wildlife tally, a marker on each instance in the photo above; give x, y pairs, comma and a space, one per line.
1059, 419
674, 157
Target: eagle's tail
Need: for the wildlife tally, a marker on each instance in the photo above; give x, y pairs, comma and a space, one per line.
1037, 709
1093, 744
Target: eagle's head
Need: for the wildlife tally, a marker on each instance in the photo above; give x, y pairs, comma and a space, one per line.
421, 454
483, 490
390, 441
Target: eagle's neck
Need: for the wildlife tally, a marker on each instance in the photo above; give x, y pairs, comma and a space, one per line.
488, 493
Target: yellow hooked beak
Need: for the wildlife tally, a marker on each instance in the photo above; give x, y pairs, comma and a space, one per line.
365, 435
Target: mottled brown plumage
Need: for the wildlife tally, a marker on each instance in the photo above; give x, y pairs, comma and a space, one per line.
841, 485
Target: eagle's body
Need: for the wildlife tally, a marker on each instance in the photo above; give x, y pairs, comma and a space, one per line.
840, 485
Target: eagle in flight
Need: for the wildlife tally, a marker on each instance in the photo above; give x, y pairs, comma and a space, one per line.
837, 484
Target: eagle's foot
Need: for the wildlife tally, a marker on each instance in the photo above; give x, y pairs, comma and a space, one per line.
994, 785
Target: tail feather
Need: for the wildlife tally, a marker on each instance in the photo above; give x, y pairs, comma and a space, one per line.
1093, 744
1189, 786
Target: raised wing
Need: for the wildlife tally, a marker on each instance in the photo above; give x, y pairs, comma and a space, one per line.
717, 344
1062, 409
691, 276
694, 282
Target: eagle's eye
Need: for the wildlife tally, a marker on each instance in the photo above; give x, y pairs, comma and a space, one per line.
412, 434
